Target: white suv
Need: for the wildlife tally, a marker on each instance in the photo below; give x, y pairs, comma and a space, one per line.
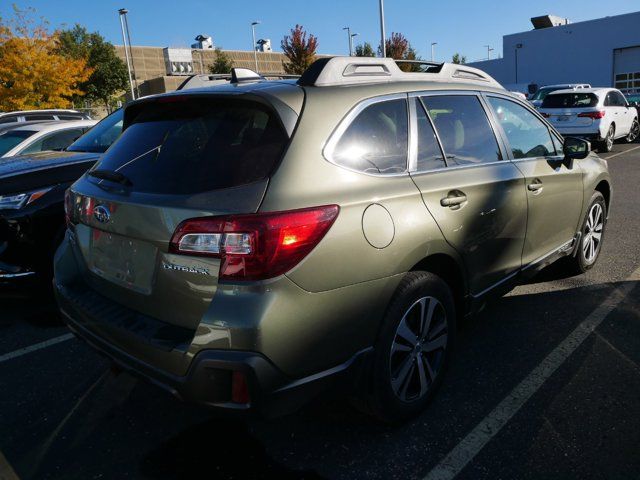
539, 96
600, 115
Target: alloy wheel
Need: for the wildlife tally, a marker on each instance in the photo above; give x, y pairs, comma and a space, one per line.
593, 233
418, 349
609, 138
634, 132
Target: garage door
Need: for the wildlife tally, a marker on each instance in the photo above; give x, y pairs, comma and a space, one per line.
626, 69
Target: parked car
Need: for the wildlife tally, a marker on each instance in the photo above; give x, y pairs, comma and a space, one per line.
41, 137
537, 98
42, 115
32, 201
634, 101
600, 115
248, 245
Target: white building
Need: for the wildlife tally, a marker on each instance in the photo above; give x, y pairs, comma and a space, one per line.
604, 52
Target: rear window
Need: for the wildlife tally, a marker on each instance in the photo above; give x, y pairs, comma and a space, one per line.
195, 145
570, 100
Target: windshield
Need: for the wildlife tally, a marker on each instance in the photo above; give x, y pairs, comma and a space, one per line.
543, 92
100, 137
570, 100
8, 140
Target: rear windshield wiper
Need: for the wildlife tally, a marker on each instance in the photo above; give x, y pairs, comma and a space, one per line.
110, 175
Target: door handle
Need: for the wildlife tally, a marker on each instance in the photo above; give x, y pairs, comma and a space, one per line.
453, 199
535, 187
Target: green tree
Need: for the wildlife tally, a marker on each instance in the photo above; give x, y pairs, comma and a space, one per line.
457, 58
109, 76
365, 50
222, 63
299, 50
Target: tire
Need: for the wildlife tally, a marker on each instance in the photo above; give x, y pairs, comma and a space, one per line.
586, 256
607, 145
634, 132
404, 373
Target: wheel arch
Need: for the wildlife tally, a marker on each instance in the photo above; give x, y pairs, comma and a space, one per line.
452, 273
605, 189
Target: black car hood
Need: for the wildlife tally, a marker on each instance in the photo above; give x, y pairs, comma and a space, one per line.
26, 172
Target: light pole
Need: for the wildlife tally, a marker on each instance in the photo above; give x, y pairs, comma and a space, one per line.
518, 47
123, 12
383, 46
255, 51
489, 50
351, 41
433, 44
348, 29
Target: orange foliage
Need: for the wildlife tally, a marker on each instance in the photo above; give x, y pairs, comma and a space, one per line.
32, 73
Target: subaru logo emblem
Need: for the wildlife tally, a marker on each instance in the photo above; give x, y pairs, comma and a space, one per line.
102, 214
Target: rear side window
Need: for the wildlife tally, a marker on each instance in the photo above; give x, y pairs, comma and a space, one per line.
527, 134
70, 117
32, 118
464, 129
194, 145
570, 100
429, 154
9, 120
376, 141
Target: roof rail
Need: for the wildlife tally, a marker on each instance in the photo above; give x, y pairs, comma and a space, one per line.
333, 71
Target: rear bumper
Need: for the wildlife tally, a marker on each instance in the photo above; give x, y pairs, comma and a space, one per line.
208, 380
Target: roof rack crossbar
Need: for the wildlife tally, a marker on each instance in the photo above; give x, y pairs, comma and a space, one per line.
332, 71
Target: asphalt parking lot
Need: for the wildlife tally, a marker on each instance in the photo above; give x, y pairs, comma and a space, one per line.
545, 384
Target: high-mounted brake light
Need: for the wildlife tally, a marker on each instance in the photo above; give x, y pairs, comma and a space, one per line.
256, 246
594, 115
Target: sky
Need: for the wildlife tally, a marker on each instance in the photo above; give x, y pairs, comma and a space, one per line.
463, 26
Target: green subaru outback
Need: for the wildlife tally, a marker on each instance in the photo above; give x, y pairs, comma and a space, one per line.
248, 245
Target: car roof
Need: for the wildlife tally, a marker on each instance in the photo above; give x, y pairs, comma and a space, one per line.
54, 126
585, 90
567, 85
50, 110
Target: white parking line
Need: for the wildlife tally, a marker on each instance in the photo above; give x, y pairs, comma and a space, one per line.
489, 427
621, 153
37, 346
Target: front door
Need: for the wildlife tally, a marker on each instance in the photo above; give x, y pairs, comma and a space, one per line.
553, 187
476, 196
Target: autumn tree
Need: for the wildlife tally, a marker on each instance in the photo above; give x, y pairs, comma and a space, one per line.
299, 50
33, 74
398, 47
365, 50
222, 63
109, 73
457, 58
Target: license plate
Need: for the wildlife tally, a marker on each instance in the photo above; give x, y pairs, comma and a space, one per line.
563, 118
124, 261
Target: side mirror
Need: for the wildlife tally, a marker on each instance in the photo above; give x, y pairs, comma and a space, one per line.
575, 148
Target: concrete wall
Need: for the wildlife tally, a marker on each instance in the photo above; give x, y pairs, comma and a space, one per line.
575, 53
149, 61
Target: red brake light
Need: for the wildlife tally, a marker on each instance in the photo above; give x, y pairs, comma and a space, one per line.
239, 388
594, 115
257, 246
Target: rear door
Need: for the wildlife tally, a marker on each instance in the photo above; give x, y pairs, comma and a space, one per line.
177, 158
553, 188
474, 193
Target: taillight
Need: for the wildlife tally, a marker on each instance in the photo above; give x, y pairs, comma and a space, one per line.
256, 246
595, 115
239, 388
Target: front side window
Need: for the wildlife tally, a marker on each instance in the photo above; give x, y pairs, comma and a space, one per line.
54, 141
528, 136
464, 129
376, 141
